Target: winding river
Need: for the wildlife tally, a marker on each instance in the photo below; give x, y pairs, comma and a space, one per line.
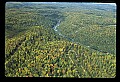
69, 39
56, 30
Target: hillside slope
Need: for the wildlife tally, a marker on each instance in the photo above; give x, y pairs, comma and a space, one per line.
60, 40
41, 53
96, 29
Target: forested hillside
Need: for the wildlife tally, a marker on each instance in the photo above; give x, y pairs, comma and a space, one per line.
93, 28
55, 40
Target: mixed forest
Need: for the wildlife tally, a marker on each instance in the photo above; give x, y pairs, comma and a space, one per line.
60, 40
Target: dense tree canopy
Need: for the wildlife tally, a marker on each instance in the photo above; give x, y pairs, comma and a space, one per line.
82, 45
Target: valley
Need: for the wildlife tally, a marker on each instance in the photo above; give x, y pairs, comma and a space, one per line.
76, 40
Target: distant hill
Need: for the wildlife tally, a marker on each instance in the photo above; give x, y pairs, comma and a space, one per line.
60, 40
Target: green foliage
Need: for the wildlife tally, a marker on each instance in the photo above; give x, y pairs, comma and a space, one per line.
19, 20
37, 56
98, 32
36, 50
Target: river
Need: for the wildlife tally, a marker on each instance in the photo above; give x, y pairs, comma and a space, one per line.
69, 39
56, 30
